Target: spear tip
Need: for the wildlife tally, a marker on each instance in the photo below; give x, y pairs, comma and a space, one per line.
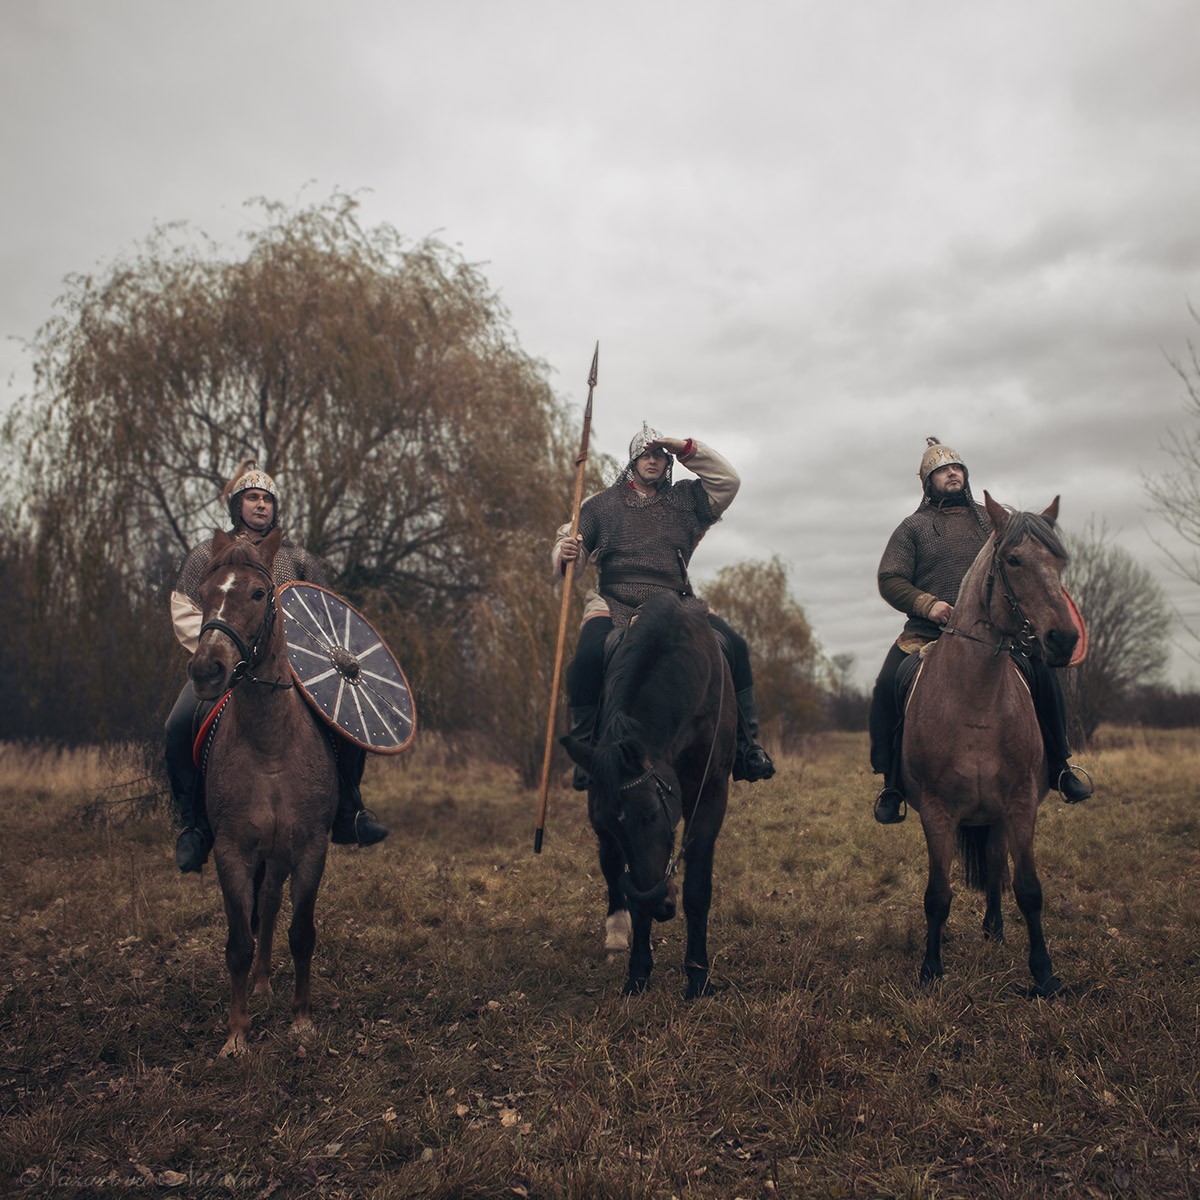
594, 373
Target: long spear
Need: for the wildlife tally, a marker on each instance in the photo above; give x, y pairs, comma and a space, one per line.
568, 576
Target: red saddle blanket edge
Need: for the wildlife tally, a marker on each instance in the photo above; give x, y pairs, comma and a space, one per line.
1081, 646
206, 728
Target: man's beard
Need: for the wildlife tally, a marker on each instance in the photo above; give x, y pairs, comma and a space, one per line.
951, 499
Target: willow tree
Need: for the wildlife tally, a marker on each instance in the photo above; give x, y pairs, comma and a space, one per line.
379, 380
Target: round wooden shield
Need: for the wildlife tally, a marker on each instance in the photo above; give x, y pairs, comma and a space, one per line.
345, 669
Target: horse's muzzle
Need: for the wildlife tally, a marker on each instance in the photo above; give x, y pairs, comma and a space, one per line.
1059, 645
658, 900
208, 678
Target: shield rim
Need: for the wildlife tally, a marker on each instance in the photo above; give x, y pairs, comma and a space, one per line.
316, 708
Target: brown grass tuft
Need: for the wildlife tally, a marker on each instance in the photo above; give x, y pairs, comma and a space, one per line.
471, 1042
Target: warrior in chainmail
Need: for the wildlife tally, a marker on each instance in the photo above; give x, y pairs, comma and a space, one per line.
640, 534
920, 573
252, 499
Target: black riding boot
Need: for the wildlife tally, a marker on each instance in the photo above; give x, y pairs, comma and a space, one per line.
353, 825
583, 729
750, 761
1051, 708
884, 722
187, 784
195, 836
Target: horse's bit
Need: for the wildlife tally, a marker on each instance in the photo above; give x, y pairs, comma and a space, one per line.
249, 654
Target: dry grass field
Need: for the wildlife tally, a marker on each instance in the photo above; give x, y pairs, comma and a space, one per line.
471, 1040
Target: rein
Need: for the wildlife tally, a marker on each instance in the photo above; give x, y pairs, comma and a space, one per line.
251, 654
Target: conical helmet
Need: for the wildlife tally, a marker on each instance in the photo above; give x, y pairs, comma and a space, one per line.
248, 475
937, 455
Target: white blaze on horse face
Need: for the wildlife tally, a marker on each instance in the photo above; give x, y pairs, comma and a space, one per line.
225, 588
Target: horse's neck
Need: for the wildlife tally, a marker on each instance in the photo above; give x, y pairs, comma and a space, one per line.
264, 713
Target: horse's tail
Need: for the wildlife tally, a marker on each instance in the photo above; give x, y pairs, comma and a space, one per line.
972, 851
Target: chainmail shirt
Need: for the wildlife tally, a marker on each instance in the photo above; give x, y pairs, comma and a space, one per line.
627, 533
933, 549
292, 563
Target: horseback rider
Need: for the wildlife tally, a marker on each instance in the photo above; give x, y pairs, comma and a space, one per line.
252, 499
920, 573
640, 533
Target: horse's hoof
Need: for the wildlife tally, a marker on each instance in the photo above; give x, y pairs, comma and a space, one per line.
618, 932
301, 1026
929, 976
635, 987
697, 990
1047, 988
235, 1047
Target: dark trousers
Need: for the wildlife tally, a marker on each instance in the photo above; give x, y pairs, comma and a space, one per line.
181, 770
884, 719
585, 674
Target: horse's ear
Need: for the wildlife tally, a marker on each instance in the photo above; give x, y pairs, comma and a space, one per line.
269, 546
1051, 512
997, 513
580, 752
220, 541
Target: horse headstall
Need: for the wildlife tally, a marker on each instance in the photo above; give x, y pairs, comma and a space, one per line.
249, 655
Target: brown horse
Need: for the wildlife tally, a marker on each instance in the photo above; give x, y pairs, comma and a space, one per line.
973, 760
271, 784
664, 751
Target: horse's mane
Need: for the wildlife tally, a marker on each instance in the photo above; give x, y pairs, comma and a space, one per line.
653, 634
1019, 527
1022, 525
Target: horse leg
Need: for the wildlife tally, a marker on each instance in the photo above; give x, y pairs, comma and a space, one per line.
270, 893
641, 958
697, 900
939, 840
237, 888
997, 861
302, 934
1028, 890
618, 929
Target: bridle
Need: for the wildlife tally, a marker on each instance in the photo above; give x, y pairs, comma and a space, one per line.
1025, 641
250, 654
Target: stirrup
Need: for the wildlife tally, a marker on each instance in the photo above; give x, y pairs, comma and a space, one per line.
1073, 772
891, 807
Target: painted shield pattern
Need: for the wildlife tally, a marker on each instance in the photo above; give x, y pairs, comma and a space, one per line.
345, 669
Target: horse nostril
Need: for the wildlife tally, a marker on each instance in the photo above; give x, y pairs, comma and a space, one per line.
203, 673
1061, 642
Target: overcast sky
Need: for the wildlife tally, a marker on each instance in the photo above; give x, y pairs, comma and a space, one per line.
808, 233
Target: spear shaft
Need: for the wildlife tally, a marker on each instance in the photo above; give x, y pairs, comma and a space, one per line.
568, 577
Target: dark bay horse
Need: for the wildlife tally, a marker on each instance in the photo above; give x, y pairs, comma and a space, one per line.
973, 760
664, 750
271, 783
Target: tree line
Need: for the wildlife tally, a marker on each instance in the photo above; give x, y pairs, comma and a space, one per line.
419, 451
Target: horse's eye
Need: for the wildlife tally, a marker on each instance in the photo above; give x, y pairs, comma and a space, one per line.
258, 594
1013, 560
